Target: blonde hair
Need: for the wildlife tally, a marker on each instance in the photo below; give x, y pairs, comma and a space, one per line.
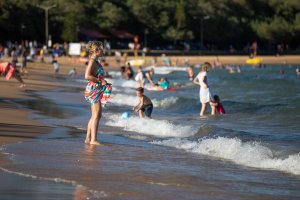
205, 66
94, 46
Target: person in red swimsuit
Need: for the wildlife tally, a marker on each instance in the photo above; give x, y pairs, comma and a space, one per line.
8, 70
217, 106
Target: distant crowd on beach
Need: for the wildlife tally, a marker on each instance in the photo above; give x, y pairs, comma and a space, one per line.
16, 56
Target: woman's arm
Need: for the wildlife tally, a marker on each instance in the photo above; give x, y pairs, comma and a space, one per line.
196, 80
88, 72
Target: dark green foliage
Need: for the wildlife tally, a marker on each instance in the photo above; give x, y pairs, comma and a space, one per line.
231, 22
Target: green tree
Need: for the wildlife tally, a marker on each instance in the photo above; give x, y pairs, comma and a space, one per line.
73, 17
179, 32
110, 16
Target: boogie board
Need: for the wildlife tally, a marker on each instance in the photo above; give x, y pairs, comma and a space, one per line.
254, 61
155, 89
125, 115
172, 89
136, 63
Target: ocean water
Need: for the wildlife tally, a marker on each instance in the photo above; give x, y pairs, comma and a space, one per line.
251, 152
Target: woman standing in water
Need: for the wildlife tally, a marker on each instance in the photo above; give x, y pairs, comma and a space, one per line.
201, 79
97, 91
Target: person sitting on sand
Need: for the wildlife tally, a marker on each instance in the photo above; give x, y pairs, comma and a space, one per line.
8, 70
145, 104
216, 106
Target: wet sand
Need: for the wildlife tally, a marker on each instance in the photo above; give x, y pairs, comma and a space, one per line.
16, 125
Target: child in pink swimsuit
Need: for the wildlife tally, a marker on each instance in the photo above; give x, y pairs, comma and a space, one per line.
217, 106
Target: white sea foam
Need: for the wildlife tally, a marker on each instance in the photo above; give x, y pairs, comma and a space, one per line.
115, 73
250, 154
166, 102
123, 99
138, 137
159, 128
124, 83
165, 69
80, 80
131, 100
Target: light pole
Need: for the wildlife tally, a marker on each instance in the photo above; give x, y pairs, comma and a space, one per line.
202, 19
146, 32
46, 8
22, 30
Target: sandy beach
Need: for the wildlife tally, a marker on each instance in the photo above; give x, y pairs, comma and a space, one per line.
18, 123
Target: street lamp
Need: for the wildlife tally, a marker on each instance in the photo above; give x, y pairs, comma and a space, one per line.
46, 8
146, 32
202, 19
22, 29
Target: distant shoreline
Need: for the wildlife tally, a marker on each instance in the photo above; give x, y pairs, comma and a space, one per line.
224, 60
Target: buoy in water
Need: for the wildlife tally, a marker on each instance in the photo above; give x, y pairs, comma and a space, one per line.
125, 115
254, 61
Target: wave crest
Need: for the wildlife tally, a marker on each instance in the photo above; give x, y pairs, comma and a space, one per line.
251, 154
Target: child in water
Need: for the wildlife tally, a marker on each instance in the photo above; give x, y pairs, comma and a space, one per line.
217, 106
163, 83
145, 104
190, 73
140, 77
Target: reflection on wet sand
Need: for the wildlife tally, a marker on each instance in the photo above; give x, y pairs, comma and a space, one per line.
81, 192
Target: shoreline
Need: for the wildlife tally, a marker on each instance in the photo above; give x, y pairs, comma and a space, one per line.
18, 125
40, 78
137, 166
224, 60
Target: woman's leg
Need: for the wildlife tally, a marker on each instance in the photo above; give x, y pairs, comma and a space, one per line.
96, 116
88, 132
203, 109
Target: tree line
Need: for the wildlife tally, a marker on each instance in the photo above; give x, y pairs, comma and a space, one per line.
217, 22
